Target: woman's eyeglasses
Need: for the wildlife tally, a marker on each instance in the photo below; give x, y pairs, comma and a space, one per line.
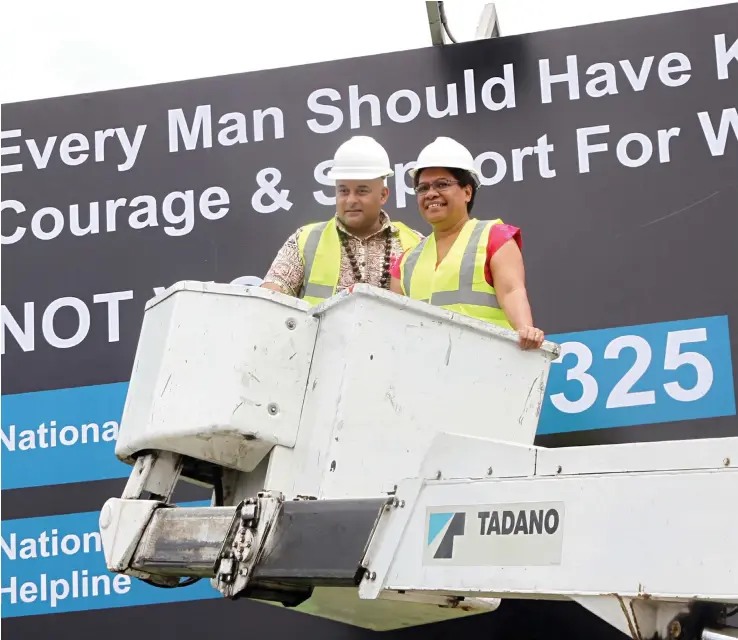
439, 185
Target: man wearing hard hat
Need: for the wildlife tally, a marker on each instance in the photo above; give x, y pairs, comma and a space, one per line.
358, 244
473, 267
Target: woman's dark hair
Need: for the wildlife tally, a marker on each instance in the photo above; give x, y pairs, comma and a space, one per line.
465, 179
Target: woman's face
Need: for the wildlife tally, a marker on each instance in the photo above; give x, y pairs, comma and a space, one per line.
440, 197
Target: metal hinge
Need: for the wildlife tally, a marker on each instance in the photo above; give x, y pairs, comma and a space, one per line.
243, 545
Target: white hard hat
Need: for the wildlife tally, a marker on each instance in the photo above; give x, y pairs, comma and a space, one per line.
447, 153
360, 158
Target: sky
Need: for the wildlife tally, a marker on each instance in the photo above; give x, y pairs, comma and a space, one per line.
50, 48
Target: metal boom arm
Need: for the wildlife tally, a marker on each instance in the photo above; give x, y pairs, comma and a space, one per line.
639, 534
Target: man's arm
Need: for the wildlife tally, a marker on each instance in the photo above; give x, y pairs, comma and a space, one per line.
508, 273
286, 272
273, 286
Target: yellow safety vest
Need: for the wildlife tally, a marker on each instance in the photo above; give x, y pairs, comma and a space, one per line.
321, 238
458, 283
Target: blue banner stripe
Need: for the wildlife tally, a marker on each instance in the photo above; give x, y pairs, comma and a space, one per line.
55, 564
62, 436
637, 375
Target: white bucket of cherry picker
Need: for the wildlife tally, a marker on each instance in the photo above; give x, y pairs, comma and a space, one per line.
338, 400
389, 373
219, 374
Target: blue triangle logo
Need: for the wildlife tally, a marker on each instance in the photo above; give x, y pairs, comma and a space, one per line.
436, 522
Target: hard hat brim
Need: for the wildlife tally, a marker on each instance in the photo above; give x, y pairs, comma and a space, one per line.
473, 172
358, 174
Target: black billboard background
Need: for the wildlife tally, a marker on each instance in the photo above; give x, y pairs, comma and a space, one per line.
612, 247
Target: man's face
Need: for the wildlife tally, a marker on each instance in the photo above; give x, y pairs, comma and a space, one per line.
359, 202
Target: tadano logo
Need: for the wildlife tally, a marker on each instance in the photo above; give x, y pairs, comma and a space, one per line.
445, 526
494, 535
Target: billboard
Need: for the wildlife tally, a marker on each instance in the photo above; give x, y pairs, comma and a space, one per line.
613, 146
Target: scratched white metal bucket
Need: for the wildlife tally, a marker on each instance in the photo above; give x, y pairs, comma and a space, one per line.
256, 381
389, 373
219, 374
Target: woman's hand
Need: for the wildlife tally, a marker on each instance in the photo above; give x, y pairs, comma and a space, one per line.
530, 337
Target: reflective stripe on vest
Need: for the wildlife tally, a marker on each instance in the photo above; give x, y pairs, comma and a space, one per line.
410, 261
309, 251
482, 304
323, 237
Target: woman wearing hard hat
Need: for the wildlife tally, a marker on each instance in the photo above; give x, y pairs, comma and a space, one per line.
473, 267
